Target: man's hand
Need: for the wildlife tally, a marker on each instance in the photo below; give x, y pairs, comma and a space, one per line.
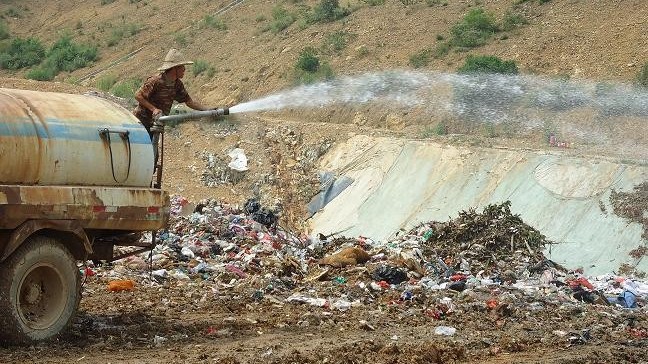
157, 113
157, 127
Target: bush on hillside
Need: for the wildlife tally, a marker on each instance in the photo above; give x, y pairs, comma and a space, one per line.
474, 30
488, 64
199, 67
22, 53
420, 58
42, 73
68, 56
64, 55
105, 83
281, 19
308, 60
335, 42
512, 21
309, 68
123, 31
126, 89
328, 11
208, 21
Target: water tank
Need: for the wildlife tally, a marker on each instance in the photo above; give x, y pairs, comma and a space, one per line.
49, 138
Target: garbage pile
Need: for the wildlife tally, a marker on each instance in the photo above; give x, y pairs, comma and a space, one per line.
493, 241
491, 259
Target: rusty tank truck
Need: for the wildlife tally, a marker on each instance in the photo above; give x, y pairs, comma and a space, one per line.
77, 177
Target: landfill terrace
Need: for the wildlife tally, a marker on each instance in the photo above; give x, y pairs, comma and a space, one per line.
226, 284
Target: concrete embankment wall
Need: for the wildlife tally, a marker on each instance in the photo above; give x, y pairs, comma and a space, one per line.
400, 183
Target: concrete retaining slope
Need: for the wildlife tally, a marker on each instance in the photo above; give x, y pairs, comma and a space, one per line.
401, 183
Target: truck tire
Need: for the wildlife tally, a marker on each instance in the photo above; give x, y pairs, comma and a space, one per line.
39, 291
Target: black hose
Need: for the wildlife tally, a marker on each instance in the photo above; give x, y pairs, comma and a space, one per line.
126, 137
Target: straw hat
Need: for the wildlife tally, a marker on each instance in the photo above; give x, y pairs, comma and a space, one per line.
172, 59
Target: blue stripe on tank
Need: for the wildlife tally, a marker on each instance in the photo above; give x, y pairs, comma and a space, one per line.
77, 131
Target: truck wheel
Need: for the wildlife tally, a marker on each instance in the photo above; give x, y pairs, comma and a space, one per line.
39, 291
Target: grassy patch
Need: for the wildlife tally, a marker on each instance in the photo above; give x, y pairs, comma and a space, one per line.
335, 42
126, 89
123, 31
328, 11
22, 53
209, 21
105, 83
281, 19
180, 39
488, 64
374, 2
474, 30
202, 67
309, 68
512, 21
64, 55
421, 58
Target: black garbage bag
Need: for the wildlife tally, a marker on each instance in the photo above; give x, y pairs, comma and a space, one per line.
260, 214
265, 217
251, 206
391, 275
458, 286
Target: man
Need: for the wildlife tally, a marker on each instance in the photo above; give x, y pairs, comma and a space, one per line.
158, 92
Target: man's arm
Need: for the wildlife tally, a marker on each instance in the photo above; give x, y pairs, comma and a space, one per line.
144, 102
196, 105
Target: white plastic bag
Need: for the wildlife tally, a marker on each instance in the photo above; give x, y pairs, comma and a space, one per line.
239, 160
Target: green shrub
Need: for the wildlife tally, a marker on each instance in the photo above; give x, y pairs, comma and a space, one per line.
642, 76
281, 19
335, 42
420, 58
209, 21
105, 83
474, 30
106, 2
488, 64
328, 11
180, 39
126, 89
308, 60
121, 32
363, 51
22, 53
512, 21
68, 56
309, 68
324, 72
199, 67
42, 73
442, 49
374, 2
260, 18
4, 30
